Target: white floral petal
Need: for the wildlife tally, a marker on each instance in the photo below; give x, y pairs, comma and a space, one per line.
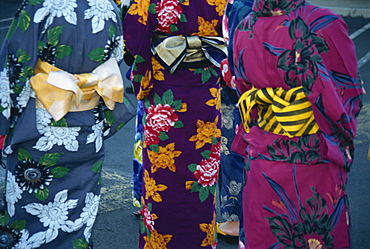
70, 204
40, 15
61, 196
51, 235
78, 224
37, 239
98, 144
97, 24
43, 144
87, 232
72, 19
90, 138
34, 208
68, 227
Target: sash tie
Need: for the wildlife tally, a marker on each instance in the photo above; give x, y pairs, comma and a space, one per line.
171, 51
283, 112
60, 92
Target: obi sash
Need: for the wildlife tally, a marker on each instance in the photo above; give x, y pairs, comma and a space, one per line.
60, 92
283, 112
171, 51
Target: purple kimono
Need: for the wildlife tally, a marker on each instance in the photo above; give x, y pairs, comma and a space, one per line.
181, 122
295, 194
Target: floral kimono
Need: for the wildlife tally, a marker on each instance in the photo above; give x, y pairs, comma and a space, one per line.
297, 71
231, 177
61, 96
181, 118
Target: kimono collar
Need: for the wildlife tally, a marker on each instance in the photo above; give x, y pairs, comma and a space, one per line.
275, 7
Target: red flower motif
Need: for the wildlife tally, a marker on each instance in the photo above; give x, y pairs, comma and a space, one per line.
216, 151
167, 12
207, 171
161, 117
147, 218
151, 136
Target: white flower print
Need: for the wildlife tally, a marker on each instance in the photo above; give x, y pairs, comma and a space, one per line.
54, 215
96, 136
118, 51
100, 11
8, 150
56, 8
89, 213
53, 135
13, 193
35, 241
4, 94
24, 96
43, 118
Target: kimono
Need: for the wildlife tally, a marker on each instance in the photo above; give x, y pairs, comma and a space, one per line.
301, 93
231, 177
181, 118
61, 97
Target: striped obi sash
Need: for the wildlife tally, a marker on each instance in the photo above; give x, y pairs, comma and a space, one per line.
283, 112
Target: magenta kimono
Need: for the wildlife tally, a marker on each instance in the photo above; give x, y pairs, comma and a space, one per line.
297, 70
181, 121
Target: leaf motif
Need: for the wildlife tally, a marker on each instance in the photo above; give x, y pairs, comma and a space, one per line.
42, 194
24, 155
59, 172
62, 51
203, 194
80, 243
50, 159
18, 225
192, 167
97, 54
24, 20
54, 35
97, 167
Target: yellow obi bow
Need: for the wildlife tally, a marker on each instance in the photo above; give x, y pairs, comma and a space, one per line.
283, 112
60, 92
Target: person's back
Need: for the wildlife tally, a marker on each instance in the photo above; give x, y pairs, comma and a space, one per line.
180, 93
297, 71
63, 96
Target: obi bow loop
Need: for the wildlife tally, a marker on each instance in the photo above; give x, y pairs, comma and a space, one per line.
283, 112
171, 51
60, 92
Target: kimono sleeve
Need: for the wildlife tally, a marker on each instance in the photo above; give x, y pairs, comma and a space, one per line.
18, 58
336, 95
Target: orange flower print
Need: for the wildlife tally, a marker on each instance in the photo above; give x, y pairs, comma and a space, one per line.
157, 74
164, 158
206, 28
140, 8
151, 189
210, 229
220, 6
157, 240
205, 133
145, 85
216, 93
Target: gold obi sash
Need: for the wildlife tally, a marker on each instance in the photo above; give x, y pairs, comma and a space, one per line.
171, 51
60, 92
283, 112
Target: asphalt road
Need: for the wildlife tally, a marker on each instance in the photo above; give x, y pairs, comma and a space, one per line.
117, 227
